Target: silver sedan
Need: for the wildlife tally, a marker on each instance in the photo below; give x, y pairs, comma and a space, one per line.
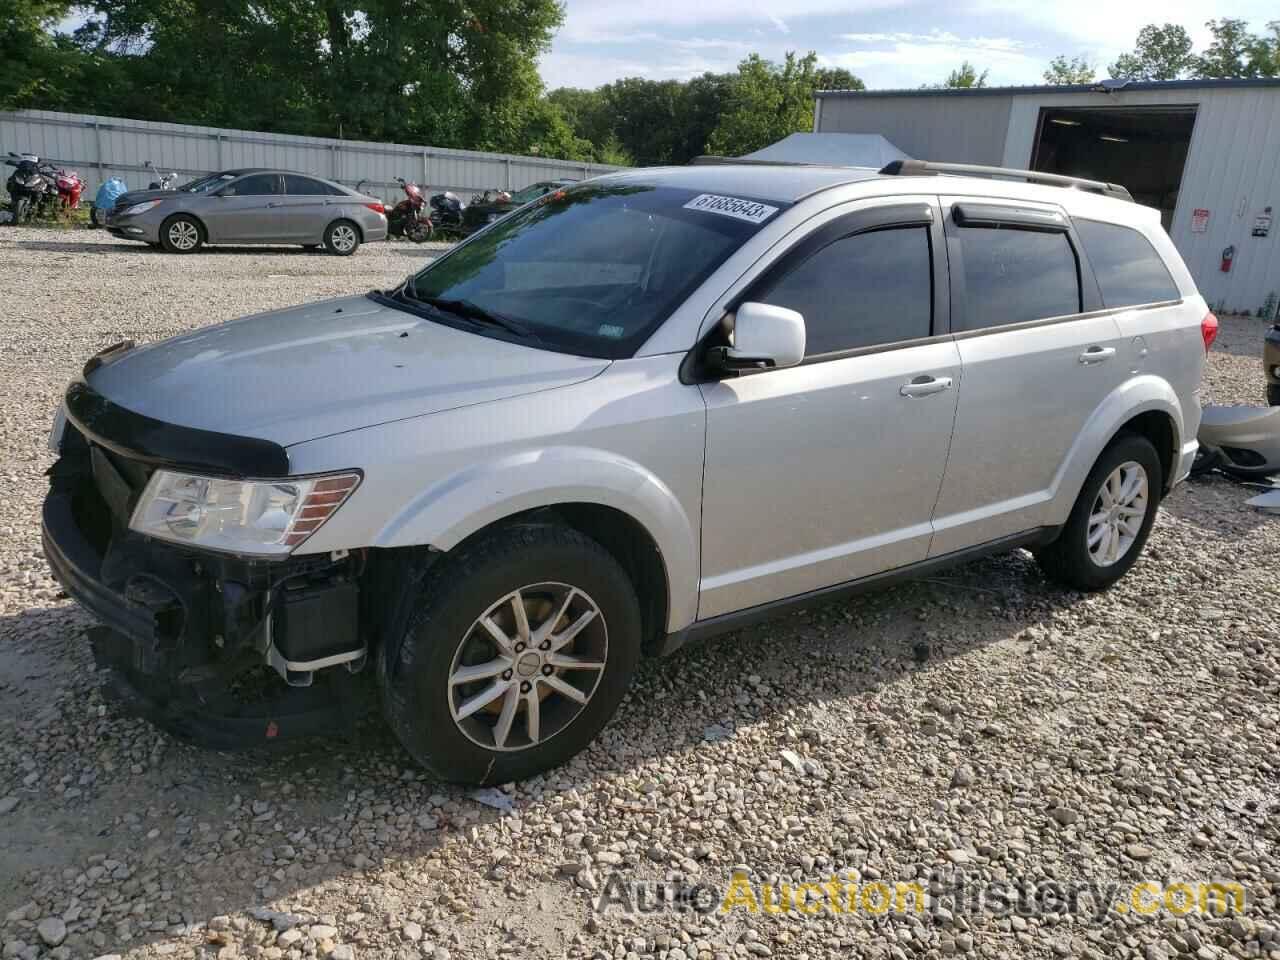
250, 207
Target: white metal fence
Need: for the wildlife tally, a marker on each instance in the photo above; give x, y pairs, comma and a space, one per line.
103, 147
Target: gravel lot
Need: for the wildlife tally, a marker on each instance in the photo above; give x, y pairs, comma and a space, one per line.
980, 722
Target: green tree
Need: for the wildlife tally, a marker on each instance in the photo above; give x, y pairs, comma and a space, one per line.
1235, 52
837, 78
40, 69
425, 71
1160, 53
966, 76
1064, 71
766, 102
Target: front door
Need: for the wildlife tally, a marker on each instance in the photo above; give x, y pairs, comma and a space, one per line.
248, 210
829, 471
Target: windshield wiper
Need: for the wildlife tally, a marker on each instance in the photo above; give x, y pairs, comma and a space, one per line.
470, 310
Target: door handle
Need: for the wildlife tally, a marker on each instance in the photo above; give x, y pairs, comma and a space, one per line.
1097, 354
276, 203
924, 386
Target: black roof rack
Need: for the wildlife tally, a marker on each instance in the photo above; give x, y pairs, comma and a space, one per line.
924, 168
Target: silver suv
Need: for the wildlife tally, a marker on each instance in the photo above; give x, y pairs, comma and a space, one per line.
642, 409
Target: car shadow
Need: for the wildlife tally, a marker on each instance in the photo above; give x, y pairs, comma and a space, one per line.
238, 832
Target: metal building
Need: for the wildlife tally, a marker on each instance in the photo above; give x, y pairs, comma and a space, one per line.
1204, 152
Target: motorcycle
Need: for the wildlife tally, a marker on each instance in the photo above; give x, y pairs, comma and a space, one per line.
446, 211
166, 181
410, 217
30, 185
70, 185
105, 200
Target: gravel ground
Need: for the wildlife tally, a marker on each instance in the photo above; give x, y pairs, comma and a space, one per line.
980, 724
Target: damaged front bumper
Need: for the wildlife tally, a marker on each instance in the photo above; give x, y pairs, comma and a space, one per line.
221, 650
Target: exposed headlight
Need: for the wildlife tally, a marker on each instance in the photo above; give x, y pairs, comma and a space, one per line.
257, 517
59, 428
138, 208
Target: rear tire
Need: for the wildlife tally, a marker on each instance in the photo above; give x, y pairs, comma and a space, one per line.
1111, 519
342, 238
580, 609
181, 234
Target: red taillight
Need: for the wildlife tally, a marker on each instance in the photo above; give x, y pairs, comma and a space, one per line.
377, 208
1209, 330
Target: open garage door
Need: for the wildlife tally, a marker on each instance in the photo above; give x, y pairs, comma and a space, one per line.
1142, 148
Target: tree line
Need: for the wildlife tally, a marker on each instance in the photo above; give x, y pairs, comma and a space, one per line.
1166, 52
463, 75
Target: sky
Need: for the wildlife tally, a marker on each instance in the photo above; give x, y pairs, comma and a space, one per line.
888, 43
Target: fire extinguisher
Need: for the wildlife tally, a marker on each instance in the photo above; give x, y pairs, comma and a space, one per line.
1227, 255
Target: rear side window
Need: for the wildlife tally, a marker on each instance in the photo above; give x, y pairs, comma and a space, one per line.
861, 291
257, 185
1012, 276
305, 186
1128, 269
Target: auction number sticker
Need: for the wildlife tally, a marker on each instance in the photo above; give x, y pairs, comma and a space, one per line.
748, 210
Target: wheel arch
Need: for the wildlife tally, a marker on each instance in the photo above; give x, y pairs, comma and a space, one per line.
1146, 405
199, 221
613, 500
344, 218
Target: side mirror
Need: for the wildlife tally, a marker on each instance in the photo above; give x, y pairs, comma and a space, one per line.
765, 337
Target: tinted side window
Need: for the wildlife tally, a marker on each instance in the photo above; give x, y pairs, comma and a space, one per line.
305, 186
257, 185
1011, 276
1128, 269
860, 291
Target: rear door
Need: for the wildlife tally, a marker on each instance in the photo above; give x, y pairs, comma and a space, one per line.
1038, 358
248, 210
828, 472
309, 206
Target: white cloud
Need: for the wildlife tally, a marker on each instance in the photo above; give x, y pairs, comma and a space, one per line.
587, 18
1101, 30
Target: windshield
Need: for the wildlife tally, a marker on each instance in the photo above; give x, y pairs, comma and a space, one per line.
205, 184
594, 269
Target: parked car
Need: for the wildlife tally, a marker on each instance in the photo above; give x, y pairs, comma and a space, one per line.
494, 205
650, 407
251, 206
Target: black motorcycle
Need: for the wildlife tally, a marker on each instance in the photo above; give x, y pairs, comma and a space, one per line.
446, 212
30, 186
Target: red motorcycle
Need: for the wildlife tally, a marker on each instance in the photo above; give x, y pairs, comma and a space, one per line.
65, 194
411, 217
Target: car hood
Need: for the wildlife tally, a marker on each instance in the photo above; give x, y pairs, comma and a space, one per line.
311, 371
141, 196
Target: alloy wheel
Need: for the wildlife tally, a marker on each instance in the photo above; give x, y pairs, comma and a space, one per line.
1118, 512
183, 235
527, 666
343, 238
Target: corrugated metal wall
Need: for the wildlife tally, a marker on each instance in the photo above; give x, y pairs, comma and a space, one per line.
102, 147
925, 127
1232, 168
1231, 171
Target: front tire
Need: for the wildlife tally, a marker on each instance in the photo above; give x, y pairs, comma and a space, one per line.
519, 650
342, 238
1111, 519
181, 234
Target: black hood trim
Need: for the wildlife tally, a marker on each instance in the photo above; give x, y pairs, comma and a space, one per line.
136, 436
